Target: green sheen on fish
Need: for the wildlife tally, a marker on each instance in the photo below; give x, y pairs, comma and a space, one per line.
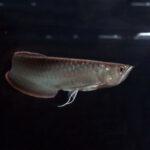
42, 76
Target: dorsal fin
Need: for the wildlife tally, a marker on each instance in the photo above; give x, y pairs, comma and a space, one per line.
25, 53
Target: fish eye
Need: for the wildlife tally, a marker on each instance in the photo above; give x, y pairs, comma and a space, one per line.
121, 69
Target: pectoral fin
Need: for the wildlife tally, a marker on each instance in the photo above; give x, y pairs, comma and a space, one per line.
71, 97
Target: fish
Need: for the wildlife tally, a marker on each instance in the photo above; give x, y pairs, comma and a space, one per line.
42, 76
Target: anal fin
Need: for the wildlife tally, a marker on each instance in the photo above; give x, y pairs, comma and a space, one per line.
31, 90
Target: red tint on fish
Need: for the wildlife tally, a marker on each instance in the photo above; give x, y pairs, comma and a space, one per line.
41, 76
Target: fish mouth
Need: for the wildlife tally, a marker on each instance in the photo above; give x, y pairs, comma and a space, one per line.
125, 75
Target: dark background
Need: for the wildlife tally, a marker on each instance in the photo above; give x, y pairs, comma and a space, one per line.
108, 30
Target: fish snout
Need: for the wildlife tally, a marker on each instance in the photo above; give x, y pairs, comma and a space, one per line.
129, 68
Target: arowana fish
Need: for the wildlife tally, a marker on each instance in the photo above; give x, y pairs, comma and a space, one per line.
41, 76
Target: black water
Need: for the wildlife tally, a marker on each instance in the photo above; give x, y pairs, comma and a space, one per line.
115, 118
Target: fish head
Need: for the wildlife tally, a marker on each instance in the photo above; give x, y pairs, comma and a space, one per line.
116, 73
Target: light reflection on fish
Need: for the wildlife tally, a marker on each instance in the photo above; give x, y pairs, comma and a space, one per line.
41, 76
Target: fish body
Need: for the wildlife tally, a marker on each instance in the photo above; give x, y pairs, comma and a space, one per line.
41, 76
